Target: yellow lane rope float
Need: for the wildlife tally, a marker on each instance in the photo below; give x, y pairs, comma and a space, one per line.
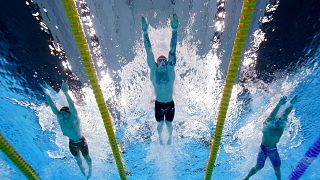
238, 47
22, 165
83, 47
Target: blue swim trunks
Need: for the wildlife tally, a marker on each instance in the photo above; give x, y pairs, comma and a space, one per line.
271, 152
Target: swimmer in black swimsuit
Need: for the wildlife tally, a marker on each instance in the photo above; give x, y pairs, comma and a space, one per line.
162, 76
70, 126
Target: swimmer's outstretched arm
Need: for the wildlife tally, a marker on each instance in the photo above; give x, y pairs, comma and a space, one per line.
64, 88
49, 101
147, 44
173, 42
174, 26
289, 107
273, 114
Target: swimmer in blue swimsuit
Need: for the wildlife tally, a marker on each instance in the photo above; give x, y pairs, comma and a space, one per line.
272, 131
162, 76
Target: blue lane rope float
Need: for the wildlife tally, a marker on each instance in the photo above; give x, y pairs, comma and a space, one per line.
83, 47
305, 162
238, 47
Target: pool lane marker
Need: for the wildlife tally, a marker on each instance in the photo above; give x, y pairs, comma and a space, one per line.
238, 47
12, 154
305, 162
71, 11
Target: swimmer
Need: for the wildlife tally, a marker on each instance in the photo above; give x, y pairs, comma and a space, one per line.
162, 76
70, 126
272, 131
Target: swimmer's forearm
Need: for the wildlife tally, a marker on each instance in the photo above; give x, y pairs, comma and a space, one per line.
287, 112
51, 104
70, 102
275, 110
173, 43
147, 45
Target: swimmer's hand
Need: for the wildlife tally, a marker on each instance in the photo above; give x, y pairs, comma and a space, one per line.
283, 100
64, 87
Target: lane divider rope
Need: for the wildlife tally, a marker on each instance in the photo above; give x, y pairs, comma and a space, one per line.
17, 160
83, 47
238, 47
305, 162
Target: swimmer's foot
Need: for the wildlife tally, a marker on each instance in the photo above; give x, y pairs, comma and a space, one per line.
169, 142
89, 173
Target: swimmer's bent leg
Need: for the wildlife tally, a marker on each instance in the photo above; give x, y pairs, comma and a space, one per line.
159, 118
169, 118
261, 159
74, 149
85, 152
276, 162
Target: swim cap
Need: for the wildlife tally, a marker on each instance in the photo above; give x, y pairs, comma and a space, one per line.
162, 58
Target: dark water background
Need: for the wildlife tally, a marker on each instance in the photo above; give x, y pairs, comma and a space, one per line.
295, 24
289, 36
28, 50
